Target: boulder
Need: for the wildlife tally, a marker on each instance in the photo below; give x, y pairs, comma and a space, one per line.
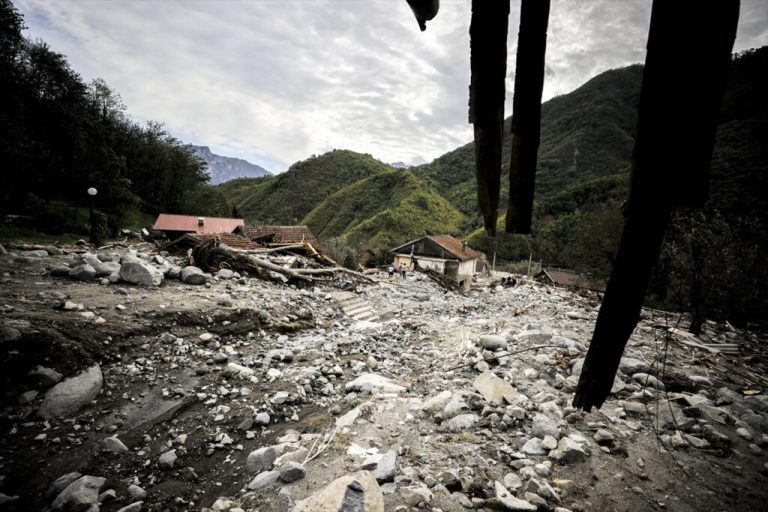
82, 272
437, 403
568, 450
292, 471
82, 494
357, 492
46, 377
492, 341
168, 459
70, 395
373, 382
264, 480
509, 502
543, 425
462, 422
192, 275
386, 469
135, 271
261, 459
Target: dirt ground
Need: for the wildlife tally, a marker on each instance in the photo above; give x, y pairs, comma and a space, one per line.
182, 395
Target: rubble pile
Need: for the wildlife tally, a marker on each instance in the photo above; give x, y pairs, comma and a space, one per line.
245, 394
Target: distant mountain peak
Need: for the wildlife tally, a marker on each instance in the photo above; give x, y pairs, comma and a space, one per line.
225, 168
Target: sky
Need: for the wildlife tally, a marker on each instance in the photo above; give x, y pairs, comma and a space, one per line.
275, 82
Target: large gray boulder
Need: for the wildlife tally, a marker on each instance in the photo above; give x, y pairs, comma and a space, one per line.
357, 492
192, 275
83, 272
135, 271
70, 395
82, 494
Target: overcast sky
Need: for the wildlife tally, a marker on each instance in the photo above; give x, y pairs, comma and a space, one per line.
276, 81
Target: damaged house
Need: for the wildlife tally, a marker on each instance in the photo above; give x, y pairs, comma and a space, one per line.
441, 253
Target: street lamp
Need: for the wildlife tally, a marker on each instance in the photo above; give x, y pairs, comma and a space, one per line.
92, 193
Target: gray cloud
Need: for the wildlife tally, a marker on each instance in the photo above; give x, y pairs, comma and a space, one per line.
276, 81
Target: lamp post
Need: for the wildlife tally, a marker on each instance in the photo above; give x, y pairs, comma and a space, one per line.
92, 195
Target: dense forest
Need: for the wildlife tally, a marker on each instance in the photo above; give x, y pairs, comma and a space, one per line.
60, 135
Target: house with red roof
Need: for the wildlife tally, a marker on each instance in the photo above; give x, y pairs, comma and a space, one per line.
441, 253
176, 225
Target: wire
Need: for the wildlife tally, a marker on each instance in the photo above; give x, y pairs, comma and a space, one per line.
503, 355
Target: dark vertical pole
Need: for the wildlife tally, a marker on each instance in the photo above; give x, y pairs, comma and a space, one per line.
488, 65
686, 67
526, 113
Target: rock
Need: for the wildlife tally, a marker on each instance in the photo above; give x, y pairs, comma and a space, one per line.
192, 275
292, 471
494, 389
458, 404
133, 507
509, 502
437, 403
631, 366
261, 418
567, 451
357, 492
114, 445
373, 382
70, 395
543, 425
137, 272
533, 447
168, 459
415, 495
52, 250
700, 380
37, 253
107, 268
61, 483
647, 380
136, 492
264, 480
83, 272
81, 494
603, 437
261, 459
8, 333
27, 397
387, 467
491, 341
225, 273
512, 481
463, 422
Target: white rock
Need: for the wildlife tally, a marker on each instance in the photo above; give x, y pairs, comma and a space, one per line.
72, 394
373, 382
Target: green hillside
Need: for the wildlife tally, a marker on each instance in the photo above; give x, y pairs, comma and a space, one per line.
585, 134
384, 210
290, 196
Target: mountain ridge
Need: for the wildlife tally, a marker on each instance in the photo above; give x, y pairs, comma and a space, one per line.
221, 168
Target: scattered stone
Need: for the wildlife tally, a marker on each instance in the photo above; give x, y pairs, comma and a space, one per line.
386, 469
568, 451
264, 480
292, 471
492, 341
168, 460
543, 425
136, 492
72, 394
603, 437
463, 422
81, 494
261, 459
133, 507
193, 275
495, 390
27, 397
509, 502
8, 333
647, 380
135, 271
82, 272
113, 445
358, 492
372, 383
437, 403
533, 447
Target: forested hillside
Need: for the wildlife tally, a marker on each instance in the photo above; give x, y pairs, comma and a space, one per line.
383, 211
289, 197
60, 135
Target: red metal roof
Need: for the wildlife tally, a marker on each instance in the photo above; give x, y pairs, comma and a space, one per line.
231, 240
192, 224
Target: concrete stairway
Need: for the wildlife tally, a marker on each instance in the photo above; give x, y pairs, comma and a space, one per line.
355, 307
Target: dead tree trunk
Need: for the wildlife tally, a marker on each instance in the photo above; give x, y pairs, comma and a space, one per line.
526, 113
686, 67
488, 65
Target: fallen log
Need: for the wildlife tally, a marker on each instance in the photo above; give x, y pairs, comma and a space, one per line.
334, 270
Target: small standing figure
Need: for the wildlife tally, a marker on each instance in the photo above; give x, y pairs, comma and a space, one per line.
403, 270
391, 271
